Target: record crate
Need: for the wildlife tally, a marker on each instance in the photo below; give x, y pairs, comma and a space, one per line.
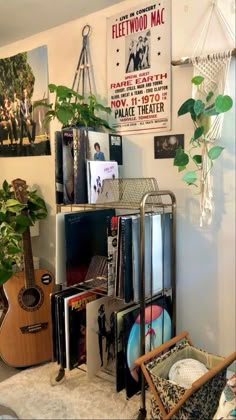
172, 401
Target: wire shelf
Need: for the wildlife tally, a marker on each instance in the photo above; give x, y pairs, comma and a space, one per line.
125, 193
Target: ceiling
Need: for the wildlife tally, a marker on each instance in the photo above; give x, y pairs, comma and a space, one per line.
23, 18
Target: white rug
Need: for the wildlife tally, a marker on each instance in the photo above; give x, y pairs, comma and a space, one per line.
31, 395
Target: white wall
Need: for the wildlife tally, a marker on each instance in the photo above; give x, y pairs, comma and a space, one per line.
205, 256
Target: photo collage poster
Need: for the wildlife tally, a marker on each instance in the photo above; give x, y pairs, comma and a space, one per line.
24, 80
139, 68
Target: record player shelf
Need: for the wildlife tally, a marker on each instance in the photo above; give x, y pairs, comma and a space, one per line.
140, 195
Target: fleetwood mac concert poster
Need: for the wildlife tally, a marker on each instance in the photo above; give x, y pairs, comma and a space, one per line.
139, 68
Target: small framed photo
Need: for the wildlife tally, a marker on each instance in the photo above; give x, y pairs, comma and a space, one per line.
165, 146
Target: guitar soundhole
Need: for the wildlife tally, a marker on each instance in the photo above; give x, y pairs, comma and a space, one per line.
31, 298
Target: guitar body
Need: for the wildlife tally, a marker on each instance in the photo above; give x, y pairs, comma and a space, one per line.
25, 332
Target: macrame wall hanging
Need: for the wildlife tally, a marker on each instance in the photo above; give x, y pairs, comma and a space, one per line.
213, 67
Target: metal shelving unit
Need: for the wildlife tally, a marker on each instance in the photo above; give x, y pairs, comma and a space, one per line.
140, 195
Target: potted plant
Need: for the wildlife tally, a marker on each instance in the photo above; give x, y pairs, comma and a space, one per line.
71, 109
15, 218
202, 151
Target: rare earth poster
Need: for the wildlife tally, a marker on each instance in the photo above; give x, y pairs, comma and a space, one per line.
139, 68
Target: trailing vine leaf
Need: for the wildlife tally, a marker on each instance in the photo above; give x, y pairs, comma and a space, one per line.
201, 112
197, 159
186, 107
223, 103
190, 177
198, 132
13, 224
181, 168
198, 107
181, 158
197, 80
215, 152
209, 96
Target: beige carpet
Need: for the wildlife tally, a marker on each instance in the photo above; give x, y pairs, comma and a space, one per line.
32, 395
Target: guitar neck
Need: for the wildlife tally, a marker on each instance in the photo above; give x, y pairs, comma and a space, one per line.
28, 259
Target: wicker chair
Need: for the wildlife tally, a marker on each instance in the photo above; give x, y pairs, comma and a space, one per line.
171, 401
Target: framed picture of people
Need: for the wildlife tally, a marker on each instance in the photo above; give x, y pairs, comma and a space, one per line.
139, 69
24, 80
165, 146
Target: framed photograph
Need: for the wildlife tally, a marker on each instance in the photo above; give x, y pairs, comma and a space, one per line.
165, 146
24, 81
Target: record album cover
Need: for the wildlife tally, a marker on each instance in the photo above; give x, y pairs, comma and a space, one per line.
158, 329
75, 327
85, 238
101, 335
97, 172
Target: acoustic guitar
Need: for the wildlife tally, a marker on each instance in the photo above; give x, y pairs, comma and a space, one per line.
25, 331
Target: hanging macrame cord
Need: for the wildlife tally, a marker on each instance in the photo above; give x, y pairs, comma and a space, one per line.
214, 68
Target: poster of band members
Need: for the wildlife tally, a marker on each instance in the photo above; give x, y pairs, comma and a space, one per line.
24, 80
139, 59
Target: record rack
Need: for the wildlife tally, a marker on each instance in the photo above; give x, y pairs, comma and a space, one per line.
140, 195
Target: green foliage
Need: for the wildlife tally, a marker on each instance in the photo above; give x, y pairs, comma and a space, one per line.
15, 218
200, 113
70, 109
16, 74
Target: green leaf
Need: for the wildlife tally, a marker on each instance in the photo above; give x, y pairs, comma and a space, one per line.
186, 107
181, 168
22, 220
52, 88
211, 111
181, 158
20, 228
5, 186
190, 177
14, 250
16, 209
197, 80
197, 159
198, 132
223, 103
198, 107
209, 96
64, 115
215, 152
43, 102
41, 215
12, 202
5, 275
63, 92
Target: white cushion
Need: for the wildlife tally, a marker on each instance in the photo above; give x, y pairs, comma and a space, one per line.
186, 371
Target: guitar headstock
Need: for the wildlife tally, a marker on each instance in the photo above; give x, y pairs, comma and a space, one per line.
20, 190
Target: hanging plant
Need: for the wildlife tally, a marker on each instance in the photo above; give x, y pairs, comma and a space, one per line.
202, 151
70, 108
